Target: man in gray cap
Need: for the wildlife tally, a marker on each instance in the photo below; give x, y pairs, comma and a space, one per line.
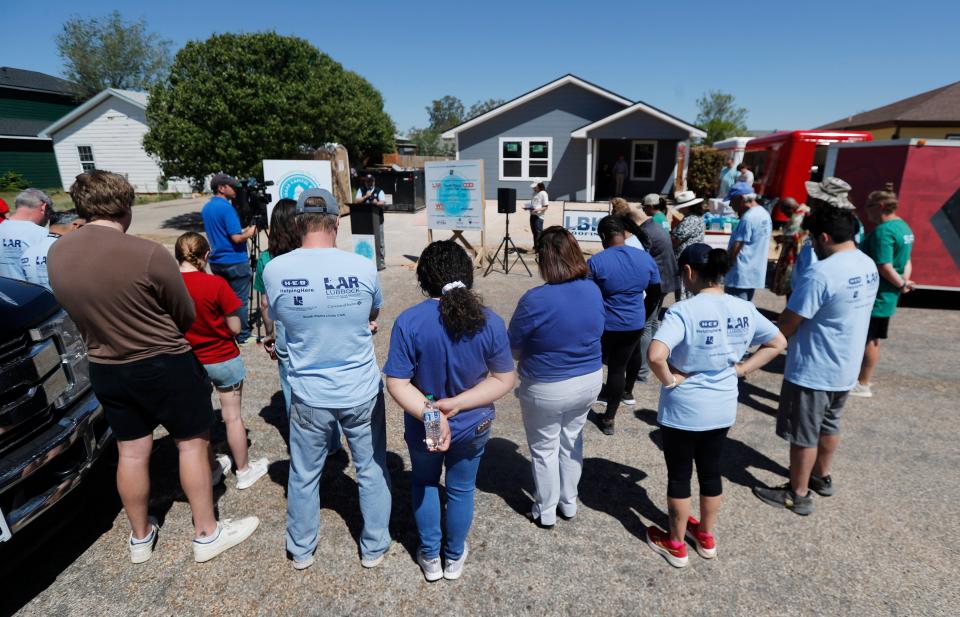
328, 301
228, 245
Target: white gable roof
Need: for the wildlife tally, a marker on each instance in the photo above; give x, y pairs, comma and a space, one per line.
138, 99
529, 96
639, 107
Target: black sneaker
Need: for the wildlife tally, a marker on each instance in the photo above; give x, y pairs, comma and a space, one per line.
822, 486
628, 399
784, 497
606, 426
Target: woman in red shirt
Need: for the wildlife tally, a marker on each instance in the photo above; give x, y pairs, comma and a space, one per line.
212, 338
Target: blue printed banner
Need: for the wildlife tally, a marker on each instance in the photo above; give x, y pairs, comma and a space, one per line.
454, 194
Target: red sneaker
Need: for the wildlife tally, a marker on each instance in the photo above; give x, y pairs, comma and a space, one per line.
674, 552
703, 541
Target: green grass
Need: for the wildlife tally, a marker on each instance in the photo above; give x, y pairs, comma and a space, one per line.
61, 199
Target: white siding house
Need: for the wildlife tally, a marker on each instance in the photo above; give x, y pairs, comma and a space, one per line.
107, 133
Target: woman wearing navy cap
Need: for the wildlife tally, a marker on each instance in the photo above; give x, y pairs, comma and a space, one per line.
696, 356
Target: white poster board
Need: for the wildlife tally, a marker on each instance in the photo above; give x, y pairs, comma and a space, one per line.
582, 224
454, 194
365, 245
290, 178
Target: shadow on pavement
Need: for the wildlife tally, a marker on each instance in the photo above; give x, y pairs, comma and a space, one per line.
614, 489
275, 414
191, 221
504, 471
749, 395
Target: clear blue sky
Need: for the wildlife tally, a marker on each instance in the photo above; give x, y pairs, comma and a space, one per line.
792, 67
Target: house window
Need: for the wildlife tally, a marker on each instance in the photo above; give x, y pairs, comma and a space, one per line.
643, 160
526, 158
86, 158
953, 136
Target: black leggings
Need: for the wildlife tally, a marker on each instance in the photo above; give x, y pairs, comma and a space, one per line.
622, 366
681, 448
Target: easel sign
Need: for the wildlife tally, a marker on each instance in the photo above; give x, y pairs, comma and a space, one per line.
454, 199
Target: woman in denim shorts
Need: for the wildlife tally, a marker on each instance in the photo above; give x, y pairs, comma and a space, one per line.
212, 338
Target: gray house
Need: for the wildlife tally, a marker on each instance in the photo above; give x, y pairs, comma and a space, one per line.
568, 134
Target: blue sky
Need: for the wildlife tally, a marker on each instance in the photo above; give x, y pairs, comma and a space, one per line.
792, 67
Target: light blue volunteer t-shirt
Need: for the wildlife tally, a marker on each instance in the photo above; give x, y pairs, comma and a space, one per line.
749, 270
323, 298
835, 298
34, 261
806, 256
15, 238
707, 335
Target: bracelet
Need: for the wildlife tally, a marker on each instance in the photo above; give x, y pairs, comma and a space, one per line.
672, 385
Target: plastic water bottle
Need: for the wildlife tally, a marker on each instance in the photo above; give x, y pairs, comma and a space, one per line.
431, 423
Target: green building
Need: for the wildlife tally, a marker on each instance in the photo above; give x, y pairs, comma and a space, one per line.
29, 103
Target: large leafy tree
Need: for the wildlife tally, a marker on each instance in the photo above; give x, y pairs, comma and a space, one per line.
720, 116
235, 99
108, 52
445, 113
482, 107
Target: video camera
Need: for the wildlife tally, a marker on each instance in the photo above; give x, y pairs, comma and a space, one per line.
251, 202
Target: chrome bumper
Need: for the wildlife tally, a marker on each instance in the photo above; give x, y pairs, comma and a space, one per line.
42, 471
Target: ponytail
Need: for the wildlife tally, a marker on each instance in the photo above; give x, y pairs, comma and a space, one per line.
717, 265
192, 248
445, 271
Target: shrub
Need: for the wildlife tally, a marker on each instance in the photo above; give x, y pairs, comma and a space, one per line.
13, 181
705, 163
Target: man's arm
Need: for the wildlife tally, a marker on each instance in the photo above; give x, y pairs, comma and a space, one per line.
244, 235
735, 250
789, 322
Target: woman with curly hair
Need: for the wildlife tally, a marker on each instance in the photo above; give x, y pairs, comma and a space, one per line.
451, 348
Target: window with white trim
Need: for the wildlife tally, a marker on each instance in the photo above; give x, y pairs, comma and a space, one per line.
643, 160
526, 158
86, 158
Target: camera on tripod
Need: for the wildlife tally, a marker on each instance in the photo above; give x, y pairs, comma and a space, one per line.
251, 202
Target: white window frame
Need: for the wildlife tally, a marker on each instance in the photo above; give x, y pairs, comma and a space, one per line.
93, 157
525, 159
633, 159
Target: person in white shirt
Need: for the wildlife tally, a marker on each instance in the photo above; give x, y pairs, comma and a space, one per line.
538, 208
25, 227
34, 259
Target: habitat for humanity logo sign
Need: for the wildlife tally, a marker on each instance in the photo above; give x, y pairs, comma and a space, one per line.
296, 182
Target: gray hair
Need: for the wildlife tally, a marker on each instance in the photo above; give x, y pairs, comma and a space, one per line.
66, 217
32, 198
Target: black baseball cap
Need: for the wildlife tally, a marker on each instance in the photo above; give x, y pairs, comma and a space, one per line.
330, 205
695, 254
219, 180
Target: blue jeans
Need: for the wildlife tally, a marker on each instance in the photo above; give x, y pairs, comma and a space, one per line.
462, 461
366, 431
649, 329
739, 292
336, 443
239, 277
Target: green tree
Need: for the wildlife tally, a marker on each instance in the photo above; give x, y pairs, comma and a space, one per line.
235, 99
445, 113
108, 52
482, 107
720, 117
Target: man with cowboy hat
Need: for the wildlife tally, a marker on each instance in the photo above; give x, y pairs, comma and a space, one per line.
749, 244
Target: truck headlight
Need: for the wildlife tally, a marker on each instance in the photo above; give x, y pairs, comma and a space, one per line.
73, 354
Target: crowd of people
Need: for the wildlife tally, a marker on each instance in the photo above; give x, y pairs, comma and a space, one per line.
160, 331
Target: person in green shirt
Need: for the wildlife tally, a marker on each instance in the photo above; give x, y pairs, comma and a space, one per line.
889, 245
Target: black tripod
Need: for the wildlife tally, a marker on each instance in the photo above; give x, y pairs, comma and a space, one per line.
255, 318
507, 245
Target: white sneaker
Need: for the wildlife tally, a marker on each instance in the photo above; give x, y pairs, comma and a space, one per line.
373, 562
628, 399
143, 551
431, 567
455, 566
229, 534
862, 390
218, 473
303, 565
254, 471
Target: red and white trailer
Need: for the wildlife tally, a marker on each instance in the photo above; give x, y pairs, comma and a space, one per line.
925, 174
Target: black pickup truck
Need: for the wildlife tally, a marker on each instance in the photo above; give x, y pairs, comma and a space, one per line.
52, 428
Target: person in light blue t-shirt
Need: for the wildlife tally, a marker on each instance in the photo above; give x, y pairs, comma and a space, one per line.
749, 244
696, 356
826, 319
452, 348
328, 301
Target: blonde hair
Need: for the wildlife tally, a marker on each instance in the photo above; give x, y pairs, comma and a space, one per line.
192, 248
887, 200
620, 207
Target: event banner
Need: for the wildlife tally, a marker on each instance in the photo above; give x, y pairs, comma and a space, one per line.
290, 178
454, 194
583, 224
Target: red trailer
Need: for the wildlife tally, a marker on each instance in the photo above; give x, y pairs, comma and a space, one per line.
925, 174
782, 162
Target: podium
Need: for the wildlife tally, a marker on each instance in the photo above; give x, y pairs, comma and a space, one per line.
366, 223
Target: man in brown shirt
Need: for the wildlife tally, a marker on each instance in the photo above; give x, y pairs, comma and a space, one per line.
130, 304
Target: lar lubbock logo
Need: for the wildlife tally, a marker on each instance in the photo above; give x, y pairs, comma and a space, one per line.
341, 285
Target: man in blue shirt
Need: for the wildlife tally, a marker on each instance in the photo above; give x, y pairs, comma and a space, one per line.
228, 246
826, 322
749, 245
328, 301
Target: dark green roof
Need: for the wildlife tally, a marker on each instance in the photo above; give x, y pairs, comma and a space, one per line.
22, 127
32, 80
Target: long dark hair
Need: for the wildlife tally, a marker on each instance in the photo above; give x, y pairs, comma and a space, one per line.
444, 262
283, 236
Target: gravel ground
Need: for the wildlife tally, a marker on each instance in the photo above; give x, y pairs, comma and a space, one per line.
878, 547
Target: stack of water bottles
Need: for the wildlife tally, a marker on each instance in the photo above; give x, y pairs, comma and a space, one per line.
720, 222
